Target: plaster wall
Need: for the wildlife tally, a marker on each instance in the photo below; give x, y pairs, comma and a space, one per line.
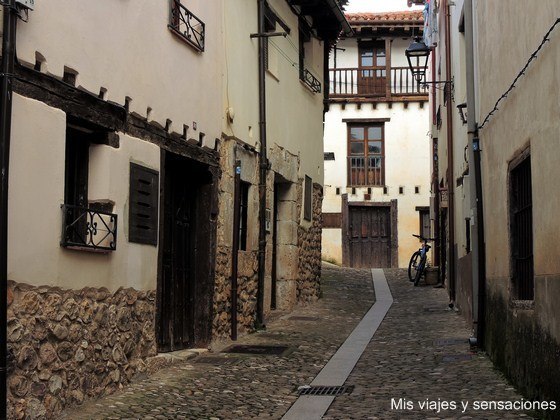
300, 130
407, 165
176, 82
36, 192
526, 118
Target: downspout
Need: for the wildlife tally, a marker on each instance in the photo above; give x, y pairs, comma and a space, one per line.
477, 221
8, 58
263, 167
450, 163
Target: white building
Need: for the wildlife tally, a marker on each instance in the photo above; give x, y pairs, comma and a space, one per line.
377, 149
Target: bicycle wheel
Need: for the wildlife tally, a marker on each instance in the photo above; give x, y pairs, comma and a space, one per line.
419, 271
413, 265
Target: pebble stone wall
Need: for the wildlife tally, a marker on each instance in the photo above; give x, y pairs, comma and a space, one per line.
68, 345
309, 244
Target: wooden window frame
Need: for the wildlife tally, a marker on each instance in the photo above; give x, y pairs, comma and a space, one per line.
366, 153
423, 211
308, 198
244, 188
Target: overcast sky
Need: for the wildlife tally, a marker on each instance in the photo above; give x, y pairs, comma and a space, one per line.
378, 6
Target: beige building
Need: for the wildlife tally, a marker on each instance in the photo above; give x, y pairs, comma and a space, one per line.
505, 276
377, 154
136, 157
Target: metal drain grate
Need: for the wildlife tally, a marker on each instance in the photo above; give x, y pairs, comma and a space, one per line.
264, 350
325, 391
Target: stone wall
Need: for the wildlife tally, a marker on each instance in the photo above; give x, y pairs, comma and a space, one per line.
309, 244
520, 348
68, 345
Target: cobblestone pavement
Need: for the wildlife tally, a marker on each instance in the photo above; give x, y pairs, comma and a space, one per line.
234, 386
404, 360
420, 354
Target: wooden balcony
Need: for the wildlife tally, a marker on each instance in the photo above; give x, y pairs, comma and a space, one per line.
373, 84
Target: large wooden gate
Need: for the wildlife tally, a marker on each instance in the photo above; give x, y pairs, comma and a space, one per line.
370, 236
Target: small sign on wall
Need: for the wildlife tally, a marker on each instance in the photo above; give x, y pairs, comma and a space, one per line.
267, 218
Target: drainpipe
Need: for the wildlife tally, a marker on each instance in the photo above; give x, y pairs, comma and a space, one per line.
8, 58
477, 221
263, 167
450, 163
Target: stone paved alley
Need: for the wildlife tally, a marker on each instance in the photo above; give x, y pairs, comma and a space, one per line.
420, 352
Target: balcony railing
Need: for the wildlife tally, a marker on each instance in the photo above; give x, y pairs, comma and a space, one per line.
365, 171
85, 228
311, 81
186, 25
373, 82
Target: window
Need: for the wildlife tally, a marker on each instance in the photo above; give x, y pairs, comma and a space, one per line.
521, 228
366, 155
143, 205
308, 192
188, 27
243, 211
304, 50
85, 225
468, 235
372, 71
425, 225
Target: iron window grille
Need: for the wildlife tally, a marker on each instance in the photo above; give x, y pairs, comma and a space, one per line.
311, 81
86, 228
187, 26
521, 216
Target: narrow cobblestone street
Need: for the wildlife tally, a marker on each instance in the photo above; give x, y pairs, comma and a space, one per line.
420, 352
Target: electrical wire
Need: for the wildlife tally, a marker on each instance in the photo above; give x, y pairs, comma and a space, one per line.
521, 73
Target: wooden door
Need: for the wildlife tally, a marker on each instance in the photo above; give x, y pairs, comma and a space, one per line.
369, 237
372, 74
178, 277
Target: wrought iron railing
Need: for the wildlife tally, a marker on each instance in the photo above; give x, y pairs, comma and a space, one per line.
186, 25
365, 171
88, 229
373, 82
311, 81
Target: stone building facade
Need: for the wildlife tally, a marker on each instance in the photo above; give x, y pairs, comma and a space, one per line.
123, 177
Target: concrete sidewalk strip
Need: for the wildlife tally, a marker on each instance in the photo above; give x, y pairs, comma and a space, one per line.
339, 367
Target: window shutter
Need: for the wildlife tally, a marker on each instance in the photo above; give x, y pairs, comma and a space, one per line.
143, 206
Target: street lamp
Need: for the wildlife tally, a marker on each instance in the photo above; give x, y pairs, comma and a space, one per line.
419, 51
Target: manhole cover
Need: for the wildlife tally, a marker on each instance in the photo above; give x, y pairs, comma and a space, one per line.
303, 318
450, 341
326, 391
265, 350
456, 357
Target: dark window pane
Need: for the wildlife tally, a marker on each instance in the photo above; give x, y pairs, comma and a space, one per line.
375, 162
357, 133
356, 148
374, 133
374, 147
380, 52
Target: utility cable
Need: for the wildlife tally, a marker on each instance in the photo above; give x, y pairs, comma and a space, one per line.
521, 73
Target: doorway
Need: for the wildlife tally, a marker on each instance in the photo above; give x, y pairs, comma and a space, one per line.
185, 283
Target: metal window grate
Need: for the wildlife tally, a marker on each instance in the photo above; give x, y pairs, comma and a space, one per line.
522, 230
325, 391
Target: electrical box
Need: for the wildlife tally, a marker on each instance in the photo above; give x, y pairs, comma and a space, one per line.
28, 4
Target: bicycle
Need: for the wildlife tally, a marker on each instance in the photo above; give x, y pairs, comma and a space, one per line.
417, 264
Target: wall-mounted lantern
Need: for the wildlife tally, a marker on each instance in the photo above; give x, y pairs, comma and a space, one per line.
417, 55
462, 112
